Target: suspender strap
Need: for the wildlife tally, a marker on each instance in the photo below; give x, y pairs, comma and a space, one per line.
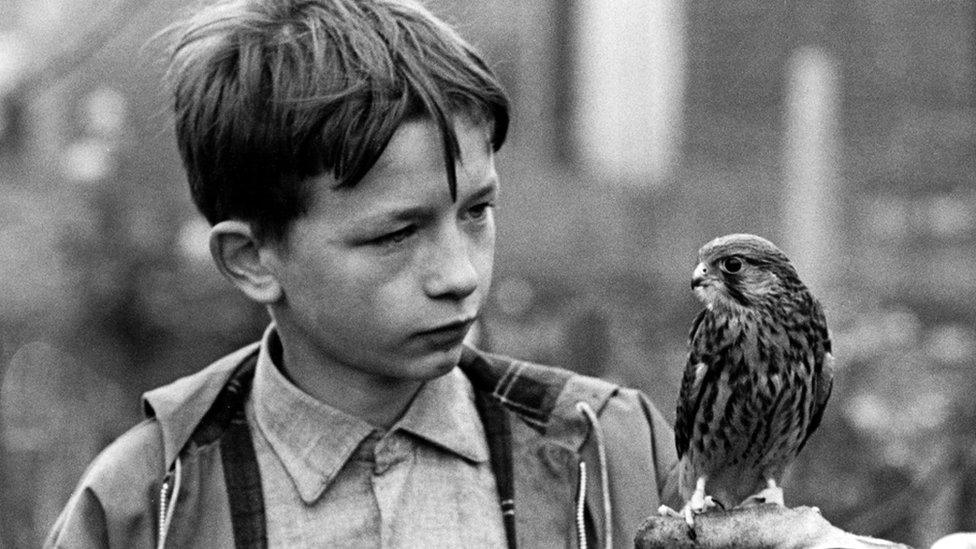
499, 435
241, 474
226, 420
243, 482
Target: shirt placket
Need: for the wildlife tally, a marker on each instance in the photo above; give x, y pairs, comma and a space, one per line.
389, 479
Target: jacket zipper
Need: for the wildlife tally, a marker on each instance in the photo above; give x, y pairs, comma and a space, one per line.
168, 495
581, 507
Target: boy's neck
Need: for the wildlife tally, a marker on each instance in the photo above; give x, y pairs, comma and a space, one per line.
380, 401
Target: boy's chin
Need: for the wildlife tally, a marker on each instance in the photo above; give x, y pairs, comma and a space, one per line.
436, 364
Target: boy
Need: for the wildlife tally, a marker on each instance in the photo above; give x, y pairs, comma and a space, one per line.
343, 151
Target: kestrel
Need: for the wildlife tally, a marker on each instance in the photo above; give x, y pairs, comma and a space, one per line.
757, 380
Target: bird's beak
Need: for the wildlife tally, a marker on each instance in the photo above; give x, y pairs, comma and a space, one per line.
698, 277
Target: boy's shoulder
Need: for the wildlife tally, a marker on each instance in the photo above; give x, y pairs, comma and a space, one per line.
532, 389
111, 500
130, 460
550, 398
585, 415
180, 406
122, 483
172, 412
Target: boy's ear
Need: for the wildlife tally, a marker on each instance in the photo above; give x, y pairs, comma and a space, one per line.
238, 256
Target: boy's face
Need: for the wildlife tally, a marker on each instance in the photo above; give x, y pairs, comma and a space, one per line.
383, 280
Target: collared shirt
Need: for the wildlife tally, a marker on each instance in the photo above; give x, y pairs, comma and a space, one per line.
333, 480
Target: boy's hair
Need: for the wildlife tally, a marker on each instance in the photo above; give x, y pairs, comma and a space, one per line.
271, 93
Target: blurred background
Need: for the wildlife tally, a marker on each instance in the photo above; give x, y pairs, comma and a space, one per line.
842, 130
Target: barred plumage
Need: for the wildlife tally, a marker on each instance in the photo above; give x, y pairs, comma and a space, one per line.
758, 375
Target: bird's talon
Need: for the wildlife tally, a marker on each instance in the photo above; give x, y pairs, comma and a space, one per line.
752, 501
710, 503
666, 511
771, 494
689, 518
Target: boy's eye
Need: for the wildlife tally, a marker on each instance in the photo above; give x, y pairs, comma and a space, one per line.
394, 237
480, 211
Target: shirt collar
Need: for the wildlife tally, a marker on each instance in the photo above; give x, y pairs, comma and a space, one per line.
444, 414
314, 440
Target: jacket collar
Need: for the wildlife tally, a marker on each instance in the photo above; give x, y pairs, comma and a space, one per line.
179, 406
546, 398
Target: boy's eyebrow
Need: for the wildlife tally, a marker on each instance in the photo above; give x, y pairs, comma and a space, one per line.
396, 214
409, 213
488, 188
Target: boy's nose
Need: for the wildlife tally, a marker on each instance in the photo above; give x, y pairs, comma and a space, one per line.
451, 271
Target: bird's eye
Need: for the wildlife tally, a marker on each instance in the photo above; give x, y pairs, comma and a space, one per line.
731, 265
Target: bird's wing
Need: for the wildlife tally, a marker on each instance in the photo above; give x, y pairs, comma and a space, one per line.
689, 398
823, 376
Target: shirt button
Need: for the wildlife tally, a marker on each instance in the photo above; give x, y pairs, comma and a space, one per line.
390, 451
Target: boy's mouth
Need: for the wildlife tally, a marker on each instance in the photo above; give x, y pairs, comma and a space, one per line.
447, 335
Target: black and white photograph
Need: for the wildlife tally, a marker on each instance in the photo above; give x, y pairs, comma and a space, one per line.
488, 273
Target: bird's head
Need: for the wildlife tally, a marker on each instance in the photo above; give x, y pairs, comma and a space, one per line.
742, 270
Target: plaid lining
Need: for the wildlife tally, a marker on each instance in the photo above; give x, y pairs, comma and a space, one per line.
529, 390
